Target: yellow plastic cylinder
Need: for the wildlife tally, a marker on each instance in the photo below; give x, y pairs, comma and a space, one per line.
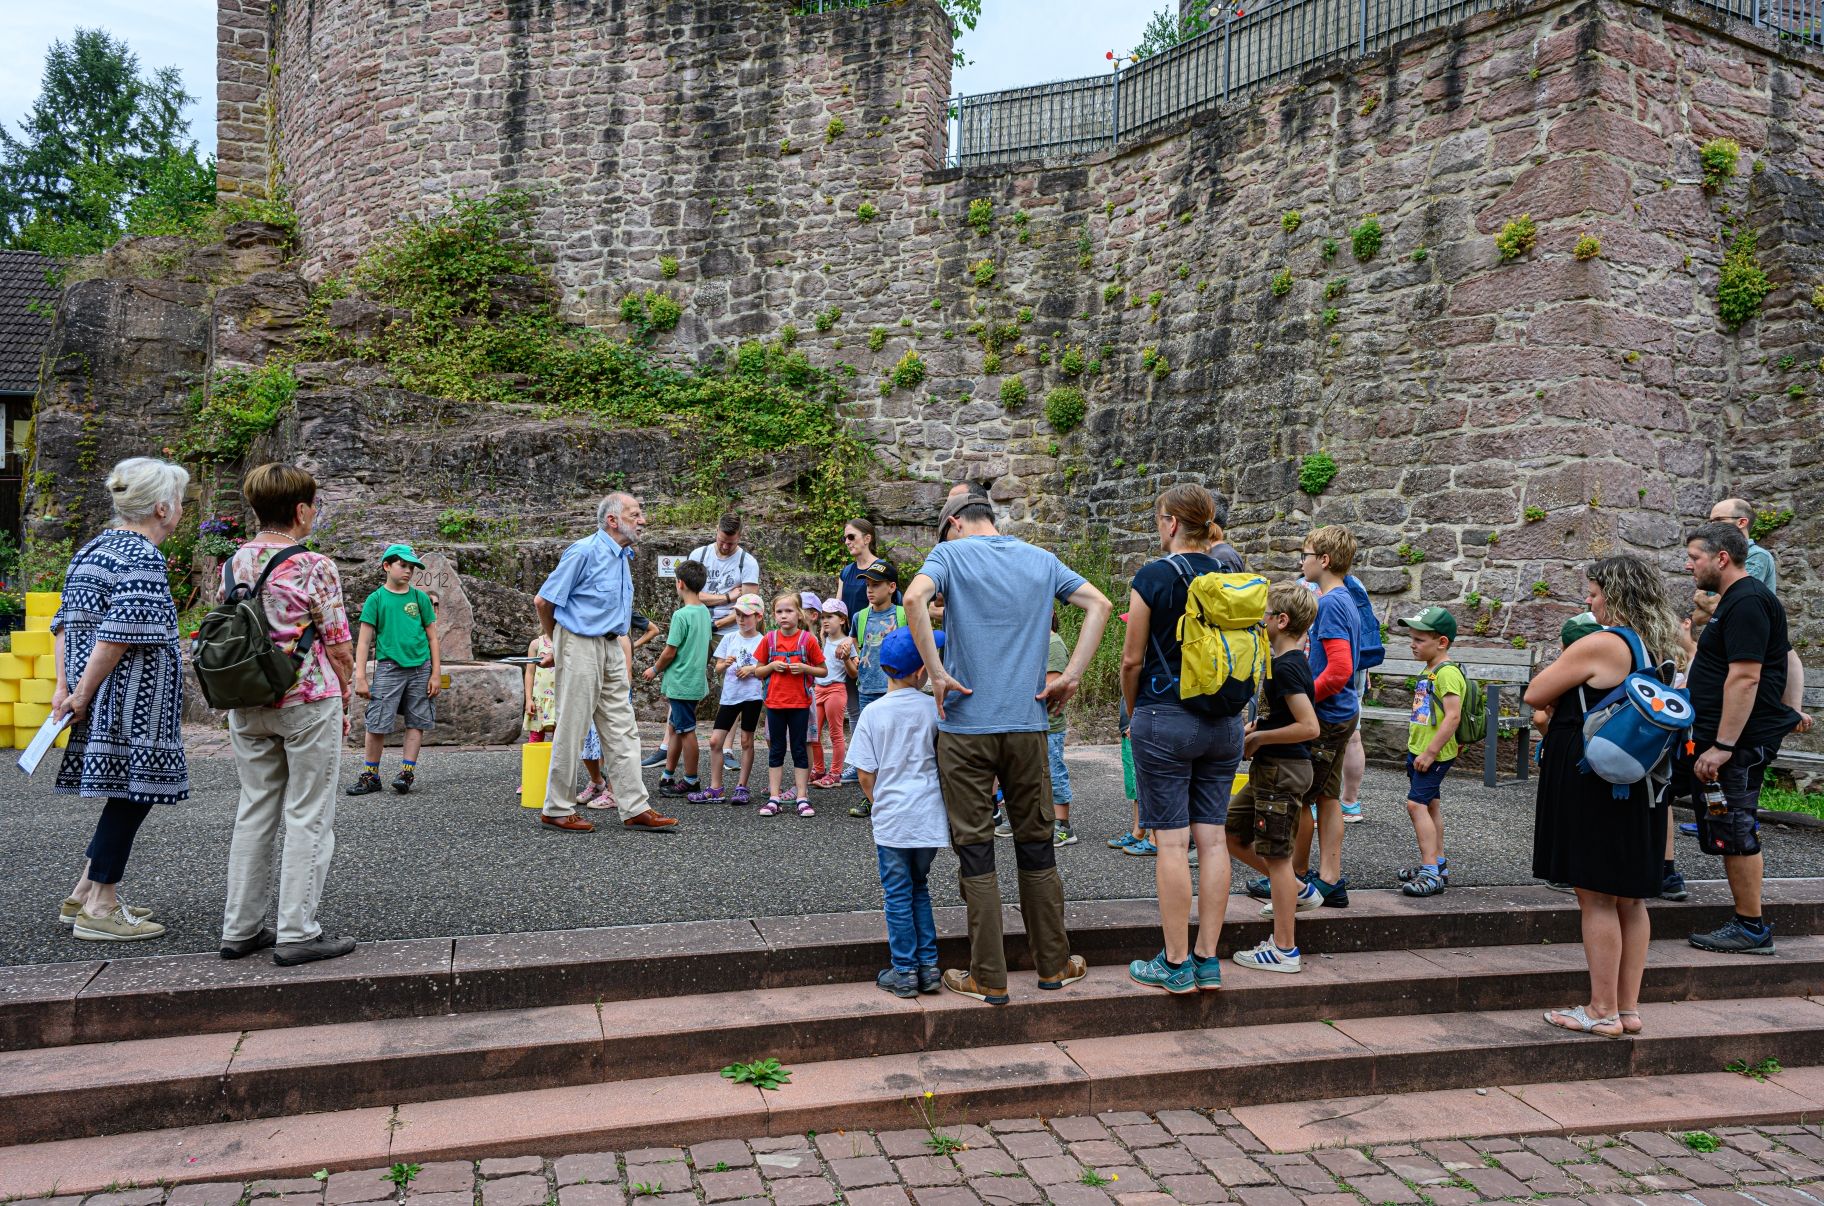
31, 644
36, 690
534, 773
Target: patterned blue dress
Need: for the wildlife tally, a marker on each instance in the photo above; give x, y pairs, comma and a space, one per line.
131, 744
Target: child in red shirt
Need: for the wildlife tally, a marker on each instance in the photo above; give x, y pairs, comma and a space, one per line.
790, 659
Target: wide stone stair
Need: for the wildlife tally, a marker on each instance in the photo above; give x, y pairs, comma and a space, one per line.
1414, 1018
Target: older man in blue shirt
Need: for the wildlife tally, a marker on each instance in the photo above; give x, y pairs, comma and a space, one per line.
585, 607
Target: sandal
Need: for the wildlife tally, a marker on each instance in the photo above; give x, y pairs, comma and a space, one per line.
603, 801
710, 795
1423, 884
805, 809
769, 809
1581, 1021
740, 796
1638, 1025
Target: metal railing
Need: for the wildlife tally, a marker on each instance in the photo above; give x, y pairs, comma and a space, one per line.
1249, 47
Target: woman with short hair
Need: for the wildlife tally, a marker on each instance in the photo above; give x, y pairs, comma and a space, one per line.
120, 680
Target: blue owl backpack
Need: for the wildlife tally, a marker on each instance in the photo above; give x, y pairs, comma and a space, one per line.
1629, 734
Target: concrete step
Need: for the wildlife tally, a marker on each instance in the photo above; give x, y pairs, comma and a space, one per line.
151, 1083
1378, 1080
136, 998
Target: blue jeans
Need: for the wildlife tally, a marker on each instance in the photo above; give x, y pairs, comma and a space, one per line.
911, 929
868, 697
1060, 774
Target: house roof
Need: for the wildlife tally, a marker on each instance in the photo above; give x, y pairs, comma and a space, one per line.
22, 332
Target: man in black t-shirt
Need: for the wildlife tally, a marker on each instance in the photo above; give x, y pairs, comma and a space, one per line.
1737, 681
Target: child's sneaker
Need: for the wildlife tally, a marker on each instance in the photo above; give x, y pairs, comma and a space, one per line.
863, 809
591, 792
656, 758
1336, 895
740, 796
1208, 972
1352, 814
1268, 957
1142, 849
711, 795
1673, 888
677, 787
1157, 973
805, 809
1002, 826
366, 785
402, 782
1122, 842
1408, 874
1062, 836
1309, 897
769, 809
930, 978
901, 983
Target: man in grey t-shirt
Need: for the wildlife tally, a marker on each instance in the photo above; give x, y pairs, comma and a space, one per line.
992, 698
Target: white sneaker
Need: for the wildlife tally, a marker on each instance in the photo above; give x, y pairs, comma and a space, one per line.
1268, 957
1308, 898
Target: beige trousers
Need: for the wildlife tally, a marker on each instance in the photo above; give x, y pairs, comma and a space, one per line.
287, 762
592, 683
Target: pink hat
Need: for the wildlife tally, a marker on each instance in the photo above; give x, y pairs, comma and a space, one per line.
835, 607
809, 601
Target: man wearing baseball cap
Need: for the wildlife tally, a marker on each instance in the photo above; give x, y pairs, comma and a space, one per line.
1431, 744
399, 626
992, 698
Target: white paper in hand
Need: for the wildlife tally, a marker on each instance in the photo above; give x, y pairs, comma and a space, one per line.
47, 734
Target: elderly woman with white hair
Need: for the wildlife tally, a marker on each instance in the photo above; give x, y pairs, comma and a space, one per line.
120, 681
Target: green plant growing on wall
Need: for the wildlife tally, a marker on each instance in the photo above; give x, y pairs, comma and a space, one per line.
788, 335
1065, 408
1025, 315
834, 130
1335, 288
1013, 393
1517, 237
1588, 248
1365, 239
877, 338
909, 372
1290, 221
1409, 553
1369, 106
1420, 255
1718, 158
1112, 293
1534, 514
1148, 357
1282, 282
867, 211
1327, 250
1154, 298
1316, 472
1331, 316
983, 272
991, 363
1817, 297
668, 266
239, 405
1766, 522
980, 216
1741, 285
826, 318
1161, 368
1071, 362
1541, 589
649, 312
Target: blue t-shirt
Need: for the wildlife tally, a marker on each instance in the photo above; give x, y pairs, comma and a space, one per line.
855, 593
1337, 620
998, 593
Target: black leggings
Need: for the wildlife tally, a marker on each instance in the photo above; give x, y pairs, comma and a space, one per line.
782, 723
113, 841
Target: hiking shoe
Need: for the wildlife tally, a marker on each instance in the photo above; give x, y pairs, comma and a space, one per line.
740, 796
1731, 938
1208, 972
1075, 968
768, 809
1673, 888
1336, 895
1157, 973
1122, 842
1352, 814
1426, 884
1408, 874
1002, 826
1309, 897
899, 983
1268, 957
930, 978
366, 785
402, 782
66, 912
323, 946
676, 788
1062, 836
656, 758
709, 795
1142, 849
862, 809
116, 926
729, 761
241, 948
962, 983
805, 809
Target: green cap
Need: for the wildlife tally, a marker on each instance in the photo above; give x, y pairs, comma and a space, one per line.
1578, 627
403, 552
1433, 619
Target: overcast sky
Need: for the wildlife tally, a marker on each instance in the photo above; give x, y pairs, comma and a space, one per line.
1018, 42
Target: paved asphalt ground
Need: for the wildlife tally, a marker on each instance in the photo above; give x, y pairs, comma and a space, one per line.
459, 856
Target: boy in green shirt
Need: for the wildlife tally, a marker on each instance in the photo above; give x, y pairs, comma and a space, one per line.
685, 664
399, 627
1431, 744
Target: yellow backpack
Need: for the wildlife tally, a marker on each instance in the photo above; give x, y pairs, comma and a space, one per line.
1223, 634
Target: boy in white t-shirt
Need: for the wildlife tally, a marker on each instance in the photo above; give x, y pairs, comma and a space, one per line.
743, 696
895, 751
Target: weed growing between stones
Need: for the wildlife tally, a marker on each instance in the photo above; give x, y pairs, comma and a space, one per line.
1766, 522
1282, 282
668, 266
834, 130
1741, 285
1328, 250
909, 373
983, 273
1534, 514
827, 318
1365, 239
866, 211
1718, 157
1290, 221
1065, 408
1517, 237
1316, 472
981, 215
1588, 248
238, 405
1013, 393
877, 338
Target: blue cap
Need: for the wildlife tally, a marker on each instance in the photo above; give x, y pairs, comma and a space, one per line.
899, 655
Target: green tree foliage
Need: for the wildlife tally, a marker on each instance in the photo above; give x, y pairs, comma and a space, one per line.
103, 152
1166, 30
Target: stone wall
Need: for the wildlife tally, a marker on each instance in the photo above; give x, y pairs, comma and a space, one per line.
1454, 391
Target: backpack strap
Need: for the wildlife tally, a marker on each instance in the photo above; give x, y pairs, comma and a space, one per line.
1183, 567
308, 637
1641, 662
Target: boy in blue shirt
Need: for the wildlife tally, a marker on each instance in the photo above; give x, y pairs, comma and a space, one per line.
1329, 554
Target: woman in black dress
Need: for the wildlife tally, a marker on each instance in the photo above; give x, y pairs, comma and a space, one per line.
1606, 847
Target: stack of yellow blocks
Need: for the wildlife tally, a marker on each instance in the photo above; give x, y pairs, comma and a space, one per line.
28, 675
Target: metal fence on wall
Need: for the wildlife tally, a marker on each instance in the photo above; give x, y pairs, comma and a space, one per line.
1250, 47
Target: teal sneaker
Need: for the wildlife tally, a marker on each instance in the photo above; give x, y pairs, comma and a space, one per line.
1207, 972
1142, 849
1157, 973
1122, 842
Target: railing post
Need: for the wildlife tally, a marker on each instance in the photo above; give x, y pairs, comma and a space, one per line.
1362, 29
1491, 744
1228, 19
1114, 133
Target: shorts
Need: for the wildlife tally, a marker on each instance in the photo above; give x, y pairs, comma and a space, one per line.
748, 710
1426, 787
1264, 814
400, 689
1733, 833
1184, 766
1327, 750
1127, 768
683, 715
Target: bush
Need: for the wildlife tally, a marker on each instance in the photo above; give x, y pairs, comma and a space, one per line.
1588, 248
1112, 292
668, 266
1517, 237
1336, 288
649, 312
1071, 362
1718, 157
238, 405
1316, 472
1766, 522
1328, 250
826, 319
834, 130
981, 215
909, 373
1065, 407
866, 211
1741, 286
1013, 393
1365, 239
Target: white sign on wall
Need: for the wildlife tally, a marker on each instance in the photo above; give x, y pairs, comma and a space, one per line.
668, 567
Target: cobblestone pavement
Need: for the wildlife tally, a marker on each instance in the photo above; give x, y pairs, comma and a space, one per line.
1183, 1157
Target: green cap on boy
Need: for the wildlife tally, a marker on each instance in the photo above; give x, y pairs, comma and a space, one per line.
1433, 619
402, 552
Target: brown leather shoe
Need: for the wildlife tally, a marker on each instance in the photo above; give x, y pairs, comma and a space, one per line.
571, 823
959, 981
650, 819
1074, 969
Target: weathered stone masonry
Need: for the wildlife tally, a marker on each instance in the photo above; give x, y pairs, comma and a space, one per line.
1454, 390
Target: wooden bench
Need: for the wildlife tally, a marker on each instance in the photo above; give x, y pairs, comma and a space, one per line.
1808, 760
1497, 667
